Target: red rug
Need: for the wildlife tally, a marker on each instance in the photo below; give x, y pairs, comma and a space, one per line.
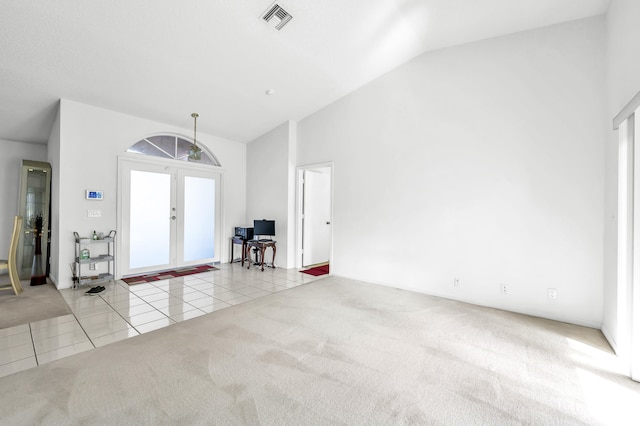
165, 275
317, 270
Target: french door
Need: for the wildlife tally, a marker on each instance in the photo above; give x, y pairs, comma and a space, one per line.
170, 215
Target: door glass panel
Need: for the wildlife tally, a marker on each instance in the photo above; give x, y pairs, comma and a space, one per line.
174, 147
34, 202
199, 218
165, 143
150, 219
145, 148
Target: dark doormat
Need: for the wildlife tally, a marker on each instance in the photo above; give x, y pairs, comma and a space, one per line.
317, 270
166, 275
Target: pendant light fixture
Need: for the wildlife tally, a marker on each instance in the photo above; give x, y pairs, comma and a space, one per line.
195, 153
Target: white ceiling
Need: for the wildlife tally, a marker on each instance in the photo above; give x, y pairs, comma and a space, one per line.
164, 59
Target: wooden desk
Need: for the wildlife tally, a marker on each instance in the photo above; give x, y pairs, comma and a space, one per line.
238, 240
262, 246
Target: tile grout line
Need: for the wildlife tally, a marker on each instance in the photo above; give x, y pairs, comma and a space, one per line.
80, 324
33, 344
120, 315
77, 322
83, 330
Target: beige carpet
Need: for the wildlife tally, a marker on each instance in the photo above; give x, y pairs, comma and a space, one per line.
33, 304
335, 352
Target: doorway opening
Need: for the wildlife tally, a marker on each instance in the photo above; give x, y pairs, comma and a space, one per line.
315, 215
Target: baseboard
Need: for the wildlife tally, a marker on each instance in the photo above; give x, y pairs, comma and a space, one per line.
514, 309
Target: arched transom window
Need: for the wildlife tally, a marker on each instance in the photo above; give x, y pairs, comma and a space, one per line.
172, 147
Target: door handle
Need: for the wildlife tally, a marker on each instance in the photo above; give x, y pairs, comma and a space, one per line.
173, 218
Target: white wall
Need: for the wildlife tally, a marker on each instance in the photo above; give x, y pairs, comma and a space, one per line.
482, 162
91, 140
10, 169
623, 83
270, 184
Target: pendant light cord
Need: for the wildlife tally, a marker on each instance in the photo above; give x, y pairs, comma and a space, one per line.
195, 119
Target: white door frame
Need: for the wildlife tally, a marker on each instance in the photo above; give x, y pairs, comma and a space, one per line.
174, 164
299, 212
627, 124
628, 344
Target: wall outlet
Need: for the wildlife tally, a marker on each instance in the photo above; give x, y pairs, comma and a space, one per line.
456, 282
504, 289
552, 293
94, 213
92, 266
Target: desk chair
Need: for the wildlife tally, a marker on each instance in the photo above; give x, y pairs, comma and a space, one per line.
10, 264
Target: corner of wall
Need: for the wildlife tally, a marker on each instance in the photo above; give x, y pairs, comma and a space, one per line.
270, 179
610, 338
53, 157
291, 192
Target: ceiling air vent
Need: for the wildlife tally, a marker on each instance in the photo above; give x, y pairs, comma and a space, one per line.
276, 17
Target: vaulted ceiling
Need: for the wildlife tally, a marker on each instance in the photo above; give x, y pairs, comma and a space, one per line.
164, 59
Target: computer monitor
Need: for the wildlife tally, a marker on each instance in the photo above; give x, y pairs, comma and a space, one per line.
265, 228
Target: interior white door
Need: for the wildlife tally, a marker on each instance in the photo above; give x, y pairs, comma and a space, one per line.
316, 225
170, 217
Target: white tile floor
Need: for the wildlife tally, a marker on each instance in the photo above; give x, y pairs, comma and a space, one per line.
123, 311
